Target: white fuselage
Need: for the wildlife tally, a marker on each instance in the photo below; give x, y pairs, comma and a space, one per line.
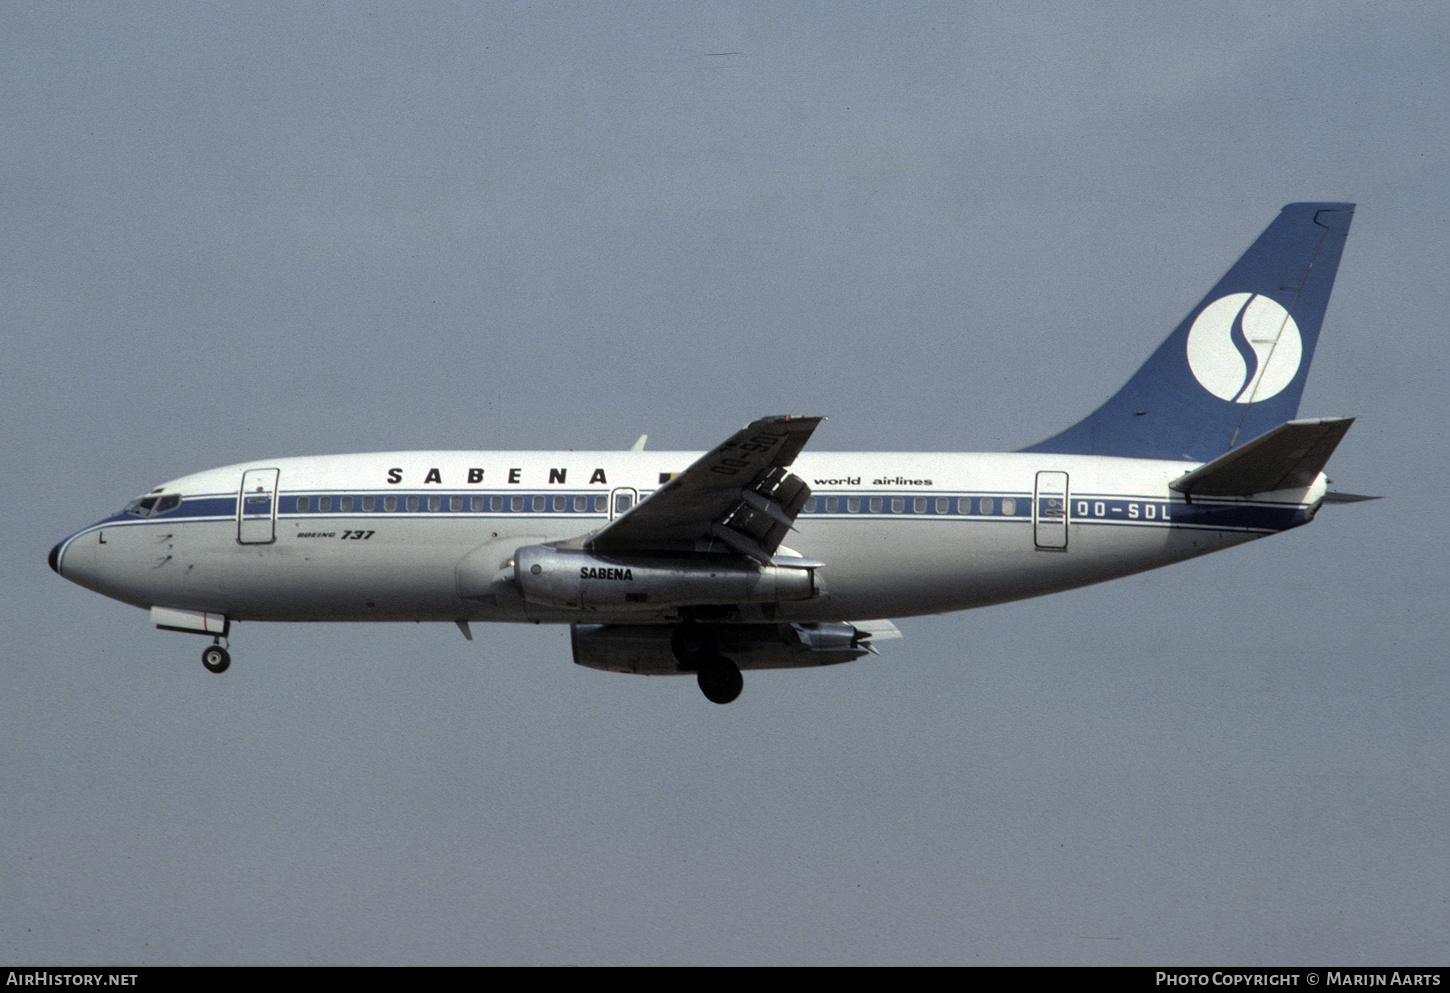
430, 536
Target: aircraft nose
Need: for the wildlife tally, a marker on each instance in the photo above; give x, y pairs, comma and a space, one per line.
55, 558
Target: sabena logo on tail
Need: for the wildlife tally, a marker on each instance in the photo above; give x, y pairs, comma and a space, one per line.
1239, 329
1248, 342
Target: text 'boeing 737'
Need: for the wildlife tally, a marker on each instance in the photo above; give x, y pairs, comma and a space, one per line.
758, 554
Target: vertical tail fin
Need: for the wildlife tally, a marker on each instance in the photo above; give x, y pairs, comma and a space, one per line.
1235, 368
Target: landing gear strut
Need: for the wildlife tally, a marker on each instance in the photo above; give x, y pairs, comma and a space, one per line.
697, 646
216, 658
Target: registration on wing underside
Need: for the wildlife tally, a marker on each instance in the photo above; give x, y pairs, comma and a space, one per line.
738, 497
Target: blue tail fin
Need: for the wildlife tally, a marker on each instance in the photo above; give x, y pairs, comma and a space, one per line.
1235, 368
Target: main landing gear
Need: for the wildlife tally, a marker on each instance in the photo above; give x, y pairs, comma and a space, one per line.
216, 658
697, 647
720, 679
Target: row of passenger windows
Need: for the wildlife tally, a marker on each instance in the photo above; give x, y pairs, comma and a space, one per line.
436, 502
1003, 506
598, 503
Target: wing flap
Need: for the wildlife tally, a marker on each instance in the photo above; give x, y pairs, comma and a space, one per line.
737, 498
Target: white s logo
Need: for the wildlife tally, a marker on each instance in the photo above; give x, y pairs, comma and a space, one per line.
1269, 331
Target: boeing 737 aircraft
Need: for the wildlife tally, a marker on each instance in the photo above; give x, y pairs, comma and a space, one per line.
758, 554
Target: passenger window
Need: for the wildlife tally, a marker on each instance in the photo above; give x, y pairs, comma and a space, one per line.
539, 502
324, 504
455, 503
601, 503
412, 503
561, 503
495, 503
370, 504
876, 505
918, 506
623, 502
435, 502
516, 503
390, 503
810, 507
986, 505
853, 505
581, 504
898, 504
345, 505
476, 504
1009, 506
942, 505
832, 504
303, 504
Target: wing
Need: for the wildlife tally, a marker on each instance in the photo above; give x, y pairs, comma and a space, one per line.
738, 498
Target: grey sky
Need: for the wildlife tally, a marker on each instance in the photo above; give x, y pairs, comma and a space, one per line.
300, 229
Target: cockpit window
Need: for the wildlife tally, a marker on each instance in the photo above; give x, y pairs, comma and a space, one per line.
141, 507
150, 506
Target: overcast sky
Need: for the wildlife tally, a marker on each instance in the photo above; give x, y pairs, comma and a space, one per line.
297, 229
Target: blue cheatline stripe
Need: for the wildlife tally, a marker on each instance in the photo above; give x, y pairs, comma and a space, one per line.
959, 504
1135, 511
980, 506
1163, 513
210, 506
287, 503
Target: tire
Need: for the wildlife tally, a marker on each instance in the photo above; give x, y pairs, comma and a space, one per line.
720, 680
216, 659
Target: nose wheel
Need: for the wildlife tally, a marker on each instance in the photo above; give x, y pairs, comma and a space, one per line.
216, 659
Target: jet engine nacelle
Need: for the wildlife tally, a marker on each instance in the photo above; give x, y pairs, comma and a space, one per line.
566, 578
647, 649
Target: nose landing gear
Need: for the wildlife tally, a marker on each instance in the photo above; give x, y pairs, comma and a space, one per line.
216, 658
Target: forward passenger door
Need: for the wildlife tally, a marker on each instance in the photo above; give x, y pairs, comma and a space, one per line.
257, 507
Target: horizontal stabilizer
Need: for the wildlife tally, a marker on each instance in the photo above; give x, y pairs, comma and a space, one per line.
1348, 498
1290, 457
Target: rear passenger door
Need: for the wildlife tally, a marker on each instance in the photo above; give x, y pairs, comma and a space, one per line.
1049, 511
